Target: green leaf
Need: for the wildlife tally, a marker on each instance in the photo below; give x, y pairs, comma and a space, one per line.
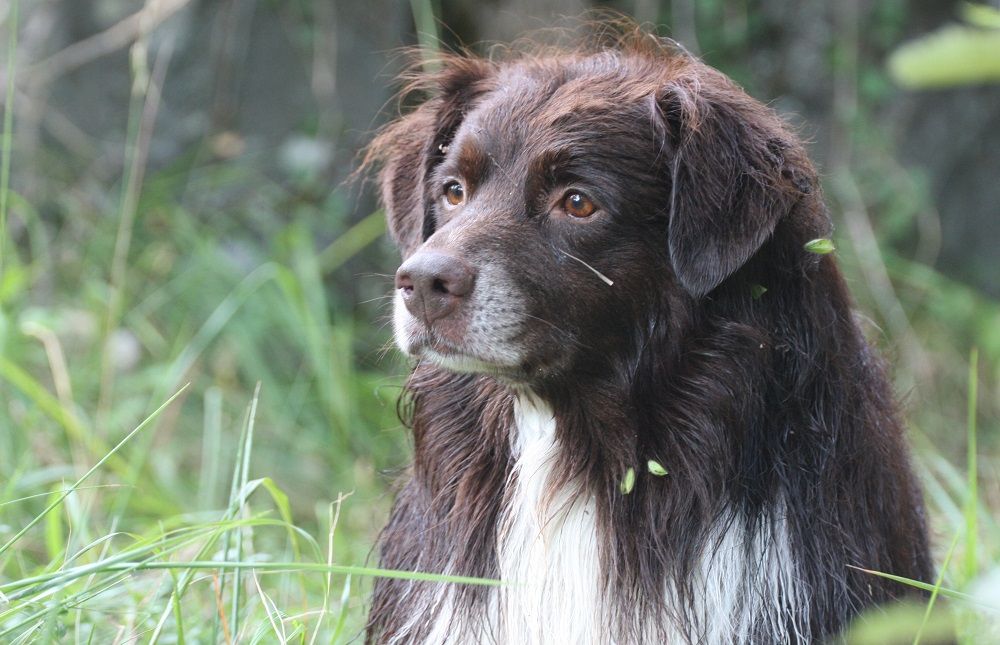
757, 290
950, 56
820, 246
981, 15
628, 482
656, 468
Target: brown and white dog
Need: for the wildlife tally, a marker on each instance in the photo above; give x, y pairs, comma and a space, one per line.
587, 238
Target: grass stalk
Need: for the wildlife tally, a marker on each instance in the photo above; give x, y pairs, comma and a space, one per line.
49, 581
142, 117
972, 469
243, 472
937, 589
427, 32
8, 127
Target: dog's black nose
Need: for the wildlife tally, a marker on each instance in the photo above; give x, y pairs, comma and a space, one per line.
433, 284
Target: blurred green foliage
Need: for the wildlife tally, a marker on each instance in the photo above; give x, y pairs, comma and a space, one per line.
953, 55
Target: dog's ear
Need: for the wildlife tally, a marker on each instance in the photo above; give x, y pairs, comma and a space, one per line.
735, 172
409, 148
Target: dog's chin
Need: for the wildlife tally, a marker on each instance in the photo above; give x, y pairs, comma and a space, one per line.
460, 360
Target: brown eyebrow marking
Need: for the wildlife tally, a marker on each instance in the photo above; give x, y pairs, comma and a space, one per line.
544, 171
472, 162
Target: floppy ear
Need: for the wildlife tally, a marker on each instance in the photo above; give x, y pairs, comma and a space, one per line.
735, 173
409, 148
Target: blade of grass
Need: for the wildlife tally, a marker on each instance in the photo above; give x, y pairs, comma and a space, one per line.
237, 503
244, 476
427, 33
972, 467
271, 610
55, 546
58, 500
345, 596
211, 448
352, 242
951, 593
937, 588
175, 603
37, 495
146, 94
8, 126
28, 635
334, 515
115, 565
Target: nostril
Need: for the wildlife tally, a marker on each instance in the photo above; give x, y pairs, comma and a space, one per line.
405, 283
439, 286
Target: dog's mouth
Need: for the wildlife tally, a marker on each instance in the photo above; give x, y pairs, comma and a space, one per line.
453, 358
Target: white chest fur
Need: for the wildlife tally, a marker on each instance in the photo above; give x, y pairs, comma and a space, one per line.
547, 544
549, 556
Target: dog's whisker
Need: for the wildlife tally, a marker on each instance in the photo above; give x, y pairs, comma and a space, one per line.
388, 296
605, 279
542, 320
384, 350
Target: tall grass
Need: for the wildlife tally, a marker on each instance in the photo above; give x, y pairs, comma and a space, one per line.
102, 543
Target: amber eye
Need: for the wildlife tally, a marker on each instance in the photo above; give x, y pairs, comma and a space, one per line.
578, 205
454, 194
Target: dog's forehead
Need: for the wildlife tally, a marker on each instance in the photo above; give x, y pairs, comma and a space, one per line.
531, 104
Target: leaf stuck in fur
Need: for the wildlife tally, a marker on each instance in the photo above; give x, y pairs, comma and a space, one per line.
628, 481
656, 468
820, 246
757, 290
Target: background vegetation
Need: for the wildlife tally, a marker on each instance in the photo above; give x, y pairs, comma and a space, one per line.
177, 241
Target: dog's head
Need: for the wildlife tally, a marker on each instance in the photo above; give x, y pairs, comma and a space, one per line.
546, 205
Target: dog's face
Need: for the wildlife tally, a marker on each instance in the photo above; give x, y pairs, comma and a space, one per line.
545, 208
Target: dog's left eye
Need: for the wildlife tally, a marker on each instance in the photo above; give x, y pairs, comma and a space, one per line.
578, 205
454, 194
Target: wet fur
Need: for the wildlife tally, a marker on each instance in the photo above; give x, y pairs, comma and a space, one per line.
774, 419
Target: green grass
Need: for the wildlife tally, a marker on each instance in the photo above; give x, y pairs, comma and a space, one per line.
210, 522
143, 538
197, 411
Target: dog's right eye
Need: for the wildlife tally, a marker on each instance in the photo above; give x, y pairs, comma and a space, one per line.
578, 205
454, 194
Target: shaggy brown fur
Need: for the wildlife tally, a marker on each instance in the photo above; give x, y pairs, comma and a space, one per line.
764, 410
